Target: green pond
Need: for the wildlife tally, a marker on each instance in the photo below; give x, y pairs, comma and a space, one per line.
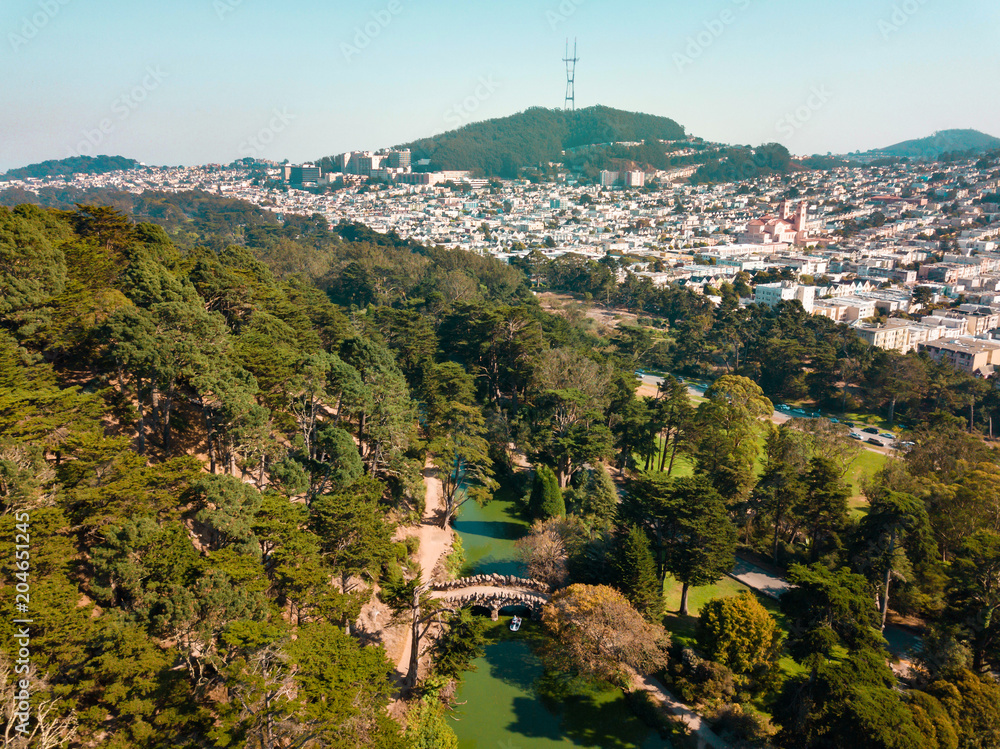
507, 703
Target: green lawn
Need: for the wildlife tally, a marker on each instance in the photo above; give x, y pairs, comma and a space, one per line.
865, 465
683, 628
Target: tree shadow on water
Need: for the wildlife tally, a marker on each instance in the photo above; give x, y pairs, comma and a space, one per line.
513, 662
498, 529
586, 713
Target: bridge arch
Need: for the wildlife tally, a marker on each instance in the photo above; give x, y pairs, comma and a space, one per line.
493, 593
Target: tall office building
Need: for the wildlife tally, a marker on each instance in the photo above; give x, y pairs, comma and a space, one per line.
305, 174
400, 159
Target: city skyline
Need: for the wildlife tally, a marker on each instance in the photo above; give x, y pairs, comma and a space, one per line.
215, 80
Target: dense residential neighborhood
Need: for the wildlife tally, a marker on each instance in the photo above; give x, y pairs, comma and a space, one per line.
906, 253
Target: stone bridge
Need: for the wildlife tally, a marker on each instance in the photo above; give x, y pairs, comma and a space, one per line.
493, 592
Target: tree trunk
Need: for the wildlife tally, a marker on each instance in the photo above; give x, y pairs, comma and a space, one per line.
142, 417
210, 437
774, 548
673, 456
411, 675
684, 600
449, 510
892, 411
885, 583
885, 595
166, 407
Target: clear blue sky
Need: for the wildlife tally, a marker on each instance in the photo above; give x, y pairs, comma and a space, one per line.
203, 77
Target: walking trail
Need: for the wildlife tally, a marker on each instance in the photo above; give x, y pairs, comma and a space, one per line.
435, 541
699, 728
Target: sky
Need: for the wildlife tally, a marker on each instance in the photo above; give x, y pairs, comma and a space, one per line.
172, 82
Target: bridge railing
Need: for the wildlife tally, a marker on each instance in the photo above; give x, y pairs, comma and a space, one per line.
494, 580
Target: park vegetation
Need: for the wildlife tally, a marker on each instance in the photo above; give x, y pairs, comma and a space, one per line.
216, 428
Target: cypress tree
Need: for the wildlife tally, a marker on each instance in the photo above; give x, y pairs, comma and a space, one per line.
546, 500
635, 573
600, 496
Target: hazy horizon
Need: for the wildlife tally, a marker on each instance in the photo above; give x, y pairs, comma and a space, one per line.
204, 81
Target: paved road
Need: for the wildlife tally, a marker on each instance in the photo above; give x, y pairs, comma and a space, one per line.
902, 643
778, 417
754, 577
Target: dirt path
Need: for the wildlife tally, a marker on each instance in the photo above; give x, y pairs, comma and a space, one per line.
700, 730
435, 542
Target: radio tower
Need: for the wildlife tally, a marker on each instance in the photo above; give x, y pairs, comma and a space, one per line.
571, 76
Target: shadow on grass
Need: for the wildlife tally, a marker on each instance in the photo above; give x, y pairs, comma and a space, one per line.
682, 629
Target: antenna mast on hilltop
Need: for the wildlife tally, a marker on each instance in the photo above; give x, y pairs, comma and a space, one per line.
570, 76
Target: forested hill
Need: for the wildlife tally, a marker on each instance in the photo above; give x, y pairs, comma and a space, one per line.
944, 141
73, 165
500, 147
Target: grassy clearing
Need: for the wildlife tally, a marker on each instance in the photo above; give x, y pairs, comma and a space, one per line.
683, 629
865, 465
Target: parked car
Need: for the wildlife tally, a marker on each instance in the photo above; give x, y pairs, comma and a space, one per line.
888, 435
850, 424
834, 421
856, 436
873, 441
870, 430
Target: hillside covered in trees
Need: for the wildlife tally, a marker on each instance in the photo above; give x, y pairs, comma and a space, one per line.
73, 165
943, 141
501, 147
215, 433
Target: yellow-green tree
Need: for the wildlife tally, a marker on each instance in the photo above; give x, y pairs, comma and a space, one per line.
738, 632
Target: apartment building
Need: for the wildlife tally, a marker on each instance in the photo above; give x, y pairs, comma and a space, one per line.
971, 356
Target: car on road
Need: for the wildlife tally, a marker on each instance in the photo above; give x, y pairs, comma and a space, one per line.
873, 441
870, 430
856, 436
